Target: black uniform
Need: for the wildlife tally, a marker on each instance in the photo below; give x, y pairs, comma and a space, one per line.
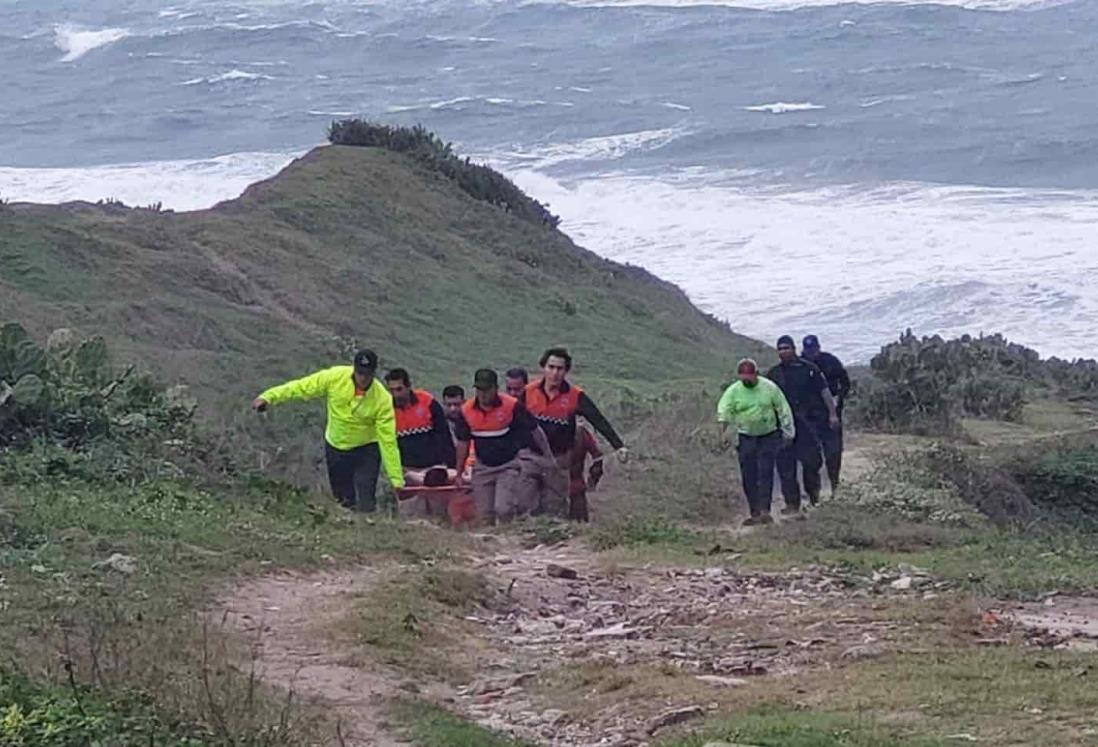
838, 380
803, 385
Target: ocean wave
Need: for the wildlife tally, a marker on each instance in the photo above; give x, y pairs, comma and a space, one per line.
870, 103
781, 107
76, 42
792, 5
227, 77
459, 101
178, 185
939, 259
679, 107
604, 148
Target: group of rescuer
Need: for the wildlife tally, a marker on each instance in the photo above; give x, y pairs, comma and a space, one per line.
785, 420
525, 451
520, 452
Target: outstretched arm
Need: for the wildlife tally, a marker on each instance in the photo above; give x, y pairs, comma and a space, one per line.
588, 410
308, 387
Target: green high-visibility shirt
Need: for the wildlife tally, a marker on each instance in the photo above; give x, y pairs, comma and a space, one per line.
355, 418
757, 410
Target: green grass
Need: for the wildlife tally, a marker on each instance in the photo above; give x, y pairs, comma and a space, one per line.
351, 245
347, 246
37, 716
430, 726
138, 631
1005, 696
1003, 563
420, 608
776, 727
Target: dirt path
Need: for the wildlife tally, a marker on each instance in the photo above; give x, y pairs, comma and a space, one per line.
663, 638
288, 618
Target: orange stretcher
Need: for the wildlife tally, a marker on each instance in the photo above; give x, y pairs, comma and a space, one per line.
449, 501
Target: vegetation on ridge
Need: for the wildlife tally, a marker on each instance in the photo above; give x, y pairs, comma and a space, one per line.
926, 385
477, 180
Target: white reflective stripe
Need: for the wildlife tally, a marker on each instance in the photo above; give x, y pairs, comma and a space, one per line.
492, 434
414, 431
554, 421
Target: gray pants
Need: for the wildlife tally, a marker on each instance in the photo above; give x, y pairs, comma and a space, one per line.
504, 492
353, 475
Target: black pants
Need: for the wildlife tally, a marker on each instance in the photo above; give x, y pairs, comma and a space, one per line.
757, 456
831, 439
804, 450
353, 475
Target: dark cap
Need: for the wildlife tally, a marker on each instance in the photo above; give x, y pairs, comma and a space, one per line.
811, 342
785, 340
485, 378
366, 361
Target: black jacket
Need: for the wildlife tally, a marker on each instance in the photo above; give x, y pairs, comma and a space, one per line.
838, 380
803, 385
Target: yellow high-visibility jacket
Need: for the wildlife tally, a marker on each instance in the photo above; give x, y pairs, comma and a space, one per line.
353, 419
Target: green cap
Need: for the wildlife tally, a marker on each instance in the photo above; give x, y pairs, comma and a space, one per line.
485, 378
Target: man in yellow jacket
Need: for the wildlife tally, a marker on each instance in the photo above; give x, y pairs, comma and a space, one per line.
361, 431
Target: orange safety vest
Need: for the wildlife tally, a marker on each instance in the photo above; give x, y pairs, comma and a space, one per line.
492, 423
557, 411
415, 419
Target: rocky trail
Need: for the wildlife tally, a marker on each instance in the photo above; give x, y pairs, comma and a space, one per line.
561, 611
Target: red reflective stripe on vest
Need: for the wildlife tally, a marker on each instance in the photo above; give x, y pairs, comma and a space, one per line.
559, 410
495, 421
416, 417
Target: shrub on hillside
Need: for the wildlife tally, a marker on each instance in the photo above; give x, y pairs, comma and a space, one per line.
926, 384
479, 181
1061, 481
65, 410
45, 717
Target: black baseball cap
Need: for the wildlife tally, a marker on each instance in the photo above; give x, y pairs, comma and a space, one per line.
811, 341
366, 361
485, 378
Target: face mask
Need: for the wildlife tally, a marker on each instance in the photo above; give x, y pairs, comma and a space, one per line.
751, 384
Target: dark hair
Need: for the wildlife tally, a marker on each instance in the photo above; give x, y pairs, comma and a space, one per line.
453, 391
519, 373
399, 374
557, 353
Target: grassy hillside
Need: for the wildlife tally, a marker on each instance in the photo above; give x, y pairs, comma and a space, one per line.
346, 246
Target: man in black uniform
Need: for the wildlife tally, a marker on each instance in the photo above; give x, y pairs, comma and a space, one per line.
805, 388
838, 381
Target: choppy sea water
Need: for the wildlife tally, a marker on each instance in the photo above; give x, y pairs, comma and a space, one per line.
847, 169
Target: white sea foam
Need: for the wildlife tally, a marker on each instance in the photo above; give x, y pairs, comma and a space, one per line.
679, 107
461, 100
227, 77
781, 107
853, 264
786, 5
179, 185
76, 42
609, 147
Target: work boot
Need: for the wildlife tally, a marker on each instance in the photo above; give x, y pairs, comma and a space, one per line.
814, 498
758, 520
792, 512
